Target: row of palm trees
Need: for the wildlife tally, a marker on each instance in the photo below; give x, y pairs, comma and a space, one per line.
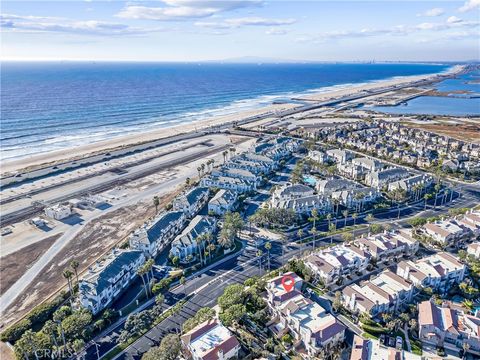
230, 152
208, 166
146, 273
68, 274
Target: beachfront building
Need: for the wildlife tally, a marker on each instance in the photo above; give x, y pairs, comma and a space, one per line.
228, 183
155, 235
191, 202
411, 185
187, 244
385, 293
445, 232
473, 249
300, 199
381, 178
439, 271
238, 174
339, 156
388, 245
332, 264
211, 340
58, 211
471, 221
359, 167
317, 156
110, 275
332, 185
448, 327
373, 349
356, 198
254, 167
313, 329
223, 202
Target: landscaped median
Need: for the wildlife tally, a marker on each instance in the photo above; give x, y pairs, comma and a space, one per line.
167, 313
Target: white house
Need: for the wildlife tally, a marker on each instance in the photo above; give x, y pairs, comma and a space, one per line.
387, 292
191, 202
318, 156
381, 178
186, 243
445, 231
58, 211
105, 280
331, 264
223, 201
474, 249
448, 327
229, 183
211, 340
410, 184
372, 349
153, 236
438, 271
388, 245
310, 325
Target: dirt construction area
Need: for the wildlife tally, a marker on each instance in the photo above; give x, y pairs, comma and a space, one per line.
97, 238
468, 132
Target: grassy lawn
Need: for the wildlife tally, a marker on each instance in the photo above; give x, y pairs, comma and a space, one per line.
367, 335
316, 290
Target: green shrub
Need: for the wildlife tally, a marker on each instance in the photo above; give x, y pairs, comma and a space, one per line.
15, 332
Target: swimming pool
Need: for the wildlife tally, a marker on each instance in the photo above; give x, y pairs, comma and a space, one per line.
310, 180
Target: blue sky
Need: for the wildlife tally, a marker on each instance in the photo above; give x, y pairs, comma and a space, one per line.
195, 30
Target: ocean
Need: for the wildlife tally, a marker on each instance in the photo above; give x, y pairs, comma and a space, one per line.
49, 106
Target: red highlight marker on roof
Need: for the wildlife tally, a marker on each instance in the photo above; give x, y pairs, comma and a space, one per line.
288, 283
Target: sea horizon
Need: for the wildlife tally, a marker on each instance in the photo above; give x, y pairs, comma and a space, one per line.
62, 104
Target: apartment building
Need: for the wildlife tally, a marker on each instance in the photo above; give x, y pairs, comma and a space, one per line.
211, 340
110, 275
223, 202
388, 245
448, 327
385, 293
192, 201
187, 243
155, 235
331, 264
371, 349
312, 328
438, 271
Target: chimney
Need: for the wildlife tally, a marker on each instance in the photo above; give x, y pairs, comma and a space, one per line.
406, 273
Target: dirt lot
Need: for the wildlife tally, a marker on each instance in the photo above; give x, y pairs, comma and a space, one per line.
14, 265
96, 239
468, 132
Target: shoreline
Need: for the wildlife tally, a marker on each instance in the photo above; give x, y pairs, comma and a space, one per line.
28, 163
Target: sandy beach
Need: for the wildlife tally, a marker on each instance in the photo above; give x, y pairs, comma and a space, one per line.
36, 161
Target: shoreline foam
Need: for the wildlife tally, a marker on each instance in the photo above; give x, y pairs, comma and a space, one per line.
12, 165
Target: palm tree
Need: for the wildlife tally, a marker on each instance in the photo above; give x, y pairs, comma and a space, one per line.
369, 219
300, 233
187, 181
67, 274
329, 218
182, 282
203, 169
314, 233
74, 264
156, 202
268, 247
437, 188
336, 202
354, 217
345, 216
314, 217
225, 153
259, 256
50, 329
199, 169
141, 272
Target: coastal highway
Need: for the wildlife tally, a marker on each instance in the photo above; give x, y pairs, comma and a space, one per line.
15, 212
